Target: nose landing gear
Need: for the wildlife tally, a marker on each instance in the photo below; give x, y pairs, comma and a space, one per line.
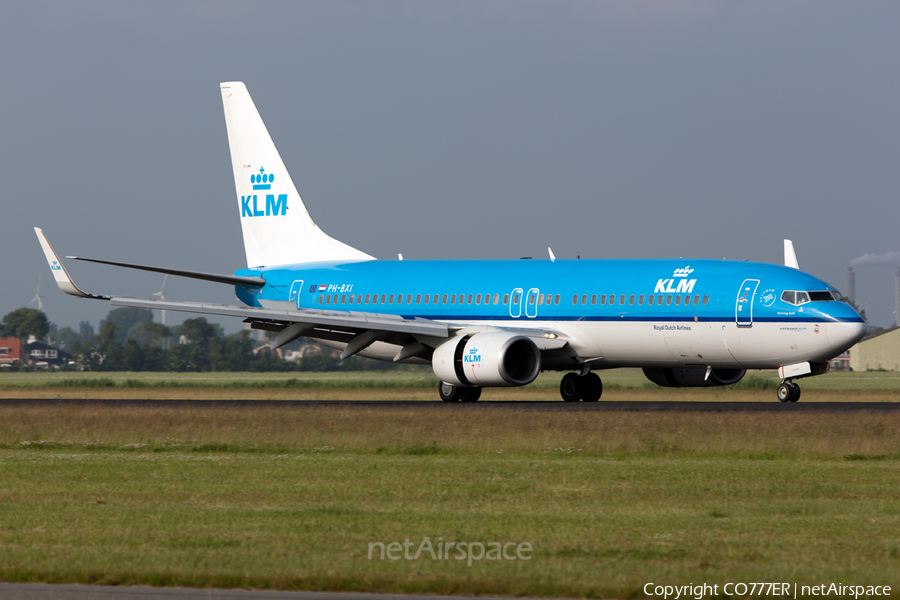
575, 387
788, 391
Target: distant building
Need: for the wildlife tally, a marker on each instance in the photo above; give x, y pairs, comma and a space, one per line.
840, 362
877, 352
10, 352
42, 354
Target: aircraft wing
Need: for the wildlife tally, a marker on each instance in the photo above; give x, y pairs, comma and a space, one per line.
338, 320
357, 329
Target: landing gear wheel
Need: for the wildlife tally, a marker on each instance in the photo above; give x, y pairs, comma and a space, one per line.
786, 392
796, 395
570, 387
449, 393
456, 393
471, 394
591, 388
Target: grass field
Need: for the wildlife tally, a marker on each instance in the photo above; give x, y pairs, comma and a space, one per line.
619, 384
292, 498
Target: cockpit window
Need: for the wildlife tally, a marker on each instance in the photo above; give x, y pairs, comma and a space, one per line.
821, 296
797, 298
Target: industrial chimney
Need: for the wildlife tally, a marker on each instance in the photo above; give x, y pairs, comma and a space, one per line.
850, 290
897, 298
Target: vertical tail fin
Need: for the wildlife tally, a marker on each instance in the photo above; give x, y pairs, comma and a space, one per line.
276, 225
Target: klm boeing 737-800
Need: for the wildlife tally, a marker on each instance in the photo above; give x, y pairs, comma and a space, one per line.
487, 323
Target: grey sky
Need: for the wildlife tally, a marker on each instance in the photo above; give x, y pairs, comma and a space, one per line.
452, 130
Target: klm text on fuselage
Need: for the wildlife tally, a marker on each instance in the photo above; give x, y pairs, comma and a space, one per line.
274, 207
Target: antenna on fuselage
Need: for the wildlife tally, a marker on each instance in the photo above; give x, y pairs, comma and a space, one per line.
552, 256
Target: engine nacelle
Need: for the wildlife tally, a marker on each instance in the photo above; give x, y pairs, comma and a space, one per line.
492, 359
678, 377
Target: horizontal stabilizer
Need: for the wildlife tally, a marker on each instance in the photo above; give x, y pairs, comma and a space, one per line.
237, 280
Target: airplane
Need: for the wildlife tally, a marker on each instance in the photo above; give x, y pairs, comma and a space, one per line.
499, 323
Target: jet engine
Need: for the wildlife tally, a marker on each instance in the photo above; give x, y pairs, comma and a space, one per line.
491, 359
696, 377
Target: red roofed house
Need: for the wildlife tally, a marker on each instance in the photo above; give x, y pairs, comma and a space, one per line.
10, 352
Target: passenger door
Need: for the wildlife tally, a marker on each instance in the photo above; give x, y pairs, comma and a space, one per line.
743, 306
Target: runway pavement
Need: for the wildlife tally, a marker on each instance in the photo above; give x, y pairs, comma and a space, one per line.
602, 406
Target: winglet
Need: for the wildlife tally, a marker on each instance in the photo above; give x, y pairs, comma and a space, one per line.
62, 277
790, 257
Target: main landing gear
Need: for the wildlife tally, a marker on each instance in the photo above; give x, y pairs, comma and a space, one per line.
575, 387
788, 391
456, 393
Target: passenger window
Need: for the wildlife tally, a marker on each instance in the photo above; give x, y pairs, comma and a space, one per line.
505, 299
622, 299
669, 300
540, 300
705, 300
367, 299
641, 300
351, 298
477, 298
696, 299
515, 299
659, 300
418, 298
583, 299
344, 299
612, 299
650, 299
359, 299
593, 299
444, 299
602, 299
391, 299
556, 299
531, 299
549, 299
631, 300
328, 299
321, 298
427, 298
374, 298
575, 299
496, 299
383, 298
677, 300
399, 298
452, 298
469, 299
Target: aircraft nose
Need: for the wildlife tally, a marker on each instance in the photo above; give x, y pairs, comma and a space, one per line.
843, 335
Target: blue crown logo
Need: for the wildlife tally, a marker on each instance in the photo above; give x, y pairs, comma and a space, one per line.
262, 181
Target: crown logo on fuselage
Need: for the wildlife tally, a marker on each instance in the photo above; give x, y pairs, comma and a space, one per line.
682, 272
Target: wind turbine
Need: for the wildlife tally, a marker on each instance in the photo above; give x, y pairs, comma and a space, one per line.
37, 297
162, 296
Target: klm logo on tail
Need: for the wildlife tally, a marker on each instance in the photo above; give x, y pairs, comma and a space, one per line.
274, 206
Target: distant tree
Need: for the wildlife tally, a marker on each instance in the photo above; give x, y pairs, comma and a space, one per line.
67, 338
24, 322
150, 334
86, 331
125, 319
